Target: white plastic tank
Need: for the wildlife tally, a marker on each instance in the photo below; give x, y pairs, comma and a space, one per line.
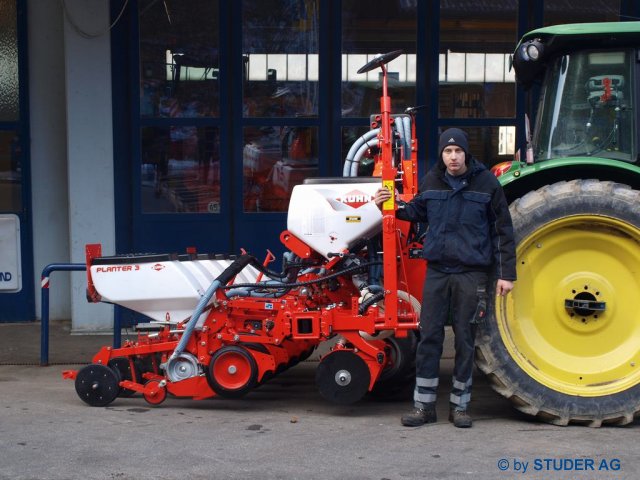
332, 214
164, 289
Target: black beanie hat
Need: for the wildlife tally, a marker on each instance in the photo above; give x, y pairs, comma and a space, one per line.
453, 136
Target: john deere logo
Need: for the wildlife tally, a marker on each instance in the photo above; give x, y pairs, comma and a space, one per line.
355, 199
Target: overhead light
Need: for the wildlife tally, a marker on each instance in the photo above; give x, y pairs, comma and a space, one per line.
532, 50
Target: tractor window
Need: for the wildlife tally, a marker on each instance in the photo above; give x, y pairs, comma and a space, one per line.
586, 107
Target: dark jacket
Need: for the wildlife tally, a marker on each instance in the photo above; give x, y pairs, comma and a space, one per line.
469, 228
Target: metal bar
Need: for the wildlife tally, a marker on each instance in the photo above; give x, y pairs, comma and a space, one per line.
44, 288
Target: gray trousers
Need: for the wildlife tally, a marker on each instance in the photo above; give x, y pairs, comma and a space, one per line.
448, 294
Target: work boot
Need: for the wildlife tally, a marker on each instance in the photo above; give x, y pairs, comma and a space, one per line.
420, 416
460, 418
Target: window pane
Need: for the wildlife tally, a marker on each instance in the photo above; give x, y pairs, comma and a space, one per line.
10, 172
490, 145
275, 159
368, 31
180, 169
280, 52
475, 44
586, 107
557, 11
179, 62
9, 108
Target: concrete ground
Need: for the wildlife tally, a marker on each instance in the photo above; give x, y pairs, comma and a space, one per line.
282, 430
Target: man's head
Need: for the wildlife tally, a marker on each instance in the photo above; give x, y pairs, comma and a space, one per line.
454, 148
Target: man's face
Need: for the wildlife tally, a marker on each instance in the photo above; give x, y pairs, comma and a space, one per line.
454, 159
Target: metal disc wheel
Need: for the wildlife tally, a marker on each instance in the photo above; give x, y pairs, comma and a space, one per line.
343, 377
182, 367
97, 385
398, 376
154, 392
307, 353
563, 345
123, 366
233, 372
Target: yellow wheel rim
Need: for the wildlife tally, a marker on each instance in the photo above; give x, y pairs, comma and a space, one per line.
573, 320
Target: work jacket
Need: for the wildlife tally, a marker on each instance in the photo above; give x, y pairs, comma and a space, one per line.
469, 227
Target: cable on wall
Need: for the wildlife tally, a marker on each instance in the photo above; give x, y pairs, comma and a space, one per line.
84, 33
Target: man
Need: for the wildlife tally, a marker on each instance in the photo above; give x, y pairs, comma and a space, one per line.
469, 241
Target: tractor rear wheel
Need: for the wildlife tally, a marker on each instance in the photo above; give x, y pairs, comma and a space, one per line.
562, 346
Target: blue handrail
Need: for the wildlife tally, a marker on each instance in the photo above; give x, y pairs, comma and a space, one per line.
44, 323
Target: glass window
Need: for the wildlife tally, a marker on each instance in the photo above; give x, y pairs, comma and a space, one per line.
557, 11
475, 44
368, 31
180, 169
490, 145
280, 55
179, 59
275, 159
586, 107
10, 172
9, 107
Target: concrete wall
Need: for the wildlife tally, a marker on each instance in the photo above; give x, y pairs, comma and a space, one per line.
71, 148
49, 185
89, 148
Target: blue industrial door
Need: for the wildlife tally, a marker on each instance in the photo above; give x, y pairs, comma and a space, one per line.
16, 251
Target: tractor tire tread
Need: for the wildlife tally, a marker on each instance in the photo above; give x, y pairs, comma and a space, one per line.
492, 358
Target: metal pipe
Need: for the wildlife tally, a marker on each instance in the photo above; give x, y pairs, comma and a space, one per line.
361, 151
191, 324
346, 170
231, 271
400, 129
44, 290
407, 138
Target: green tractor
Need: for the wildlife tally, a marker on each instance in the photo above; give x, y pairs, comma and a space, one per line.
564, 346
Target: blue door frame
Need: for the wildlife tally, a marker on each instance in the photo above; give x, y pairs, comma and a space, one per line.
20, 306
232, 228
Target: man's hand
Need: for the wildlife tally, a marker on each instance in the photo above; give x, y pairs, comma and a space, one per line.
381, 196
503, 287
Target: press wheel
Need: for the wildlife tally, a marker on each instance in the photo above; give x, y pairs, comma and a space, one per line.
343, 377
233, 372
97, 385
155, 392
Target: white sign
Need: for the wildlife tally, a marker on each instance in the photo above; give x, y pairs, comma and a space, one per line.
10, 260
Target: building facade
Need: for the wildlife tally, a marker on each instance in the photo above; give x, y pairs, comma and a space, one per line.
154, 126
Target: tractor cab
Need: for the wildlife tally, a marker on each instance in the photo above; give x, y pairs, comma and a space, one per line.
587, 78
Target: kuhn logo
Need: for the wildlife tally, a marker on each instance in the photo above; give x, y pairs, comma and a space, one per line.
157, 267
355, 199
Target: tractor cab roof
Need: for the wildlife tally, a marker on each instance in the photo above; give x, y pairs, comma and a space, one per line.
537, 47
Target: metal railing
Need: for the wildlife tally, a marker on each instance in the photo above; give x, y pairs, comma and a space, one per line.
44, 322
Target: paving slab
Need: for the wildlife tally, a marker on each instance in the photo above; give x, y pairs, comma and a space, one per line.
282, 430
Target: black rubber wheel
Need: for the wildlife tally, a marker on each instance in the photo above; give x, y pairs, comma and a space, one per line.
563, 345
232, 372
97, 385
343, 377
